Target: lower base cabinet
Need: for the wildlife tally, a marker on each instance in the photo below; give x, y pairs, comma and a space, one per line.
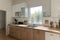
23, 33
38, 35
27, 34
13, 31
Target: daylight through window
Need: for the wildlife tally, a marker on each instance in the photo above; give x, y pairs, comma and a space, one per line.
36, 15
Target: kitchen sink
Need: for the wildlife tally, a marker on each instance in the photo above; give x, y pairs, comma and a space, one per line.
32, 26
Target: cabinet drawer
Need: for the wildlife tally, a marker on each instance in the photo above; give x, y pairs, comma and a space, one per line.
51, 34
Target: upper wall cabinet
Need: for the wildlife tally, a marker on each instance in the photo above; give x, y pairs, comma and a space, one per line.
19, 10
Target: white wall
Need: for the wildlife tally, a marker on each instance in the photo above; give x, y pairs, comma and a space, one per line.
6, 5
55, 10
33, 3
54, 5
49, 6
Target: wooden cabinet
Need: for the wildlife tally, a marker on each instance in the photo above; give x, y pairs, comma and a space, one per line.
38, 35
35, 35
42, 35
29, 34
21, 33
13, 31
24, 33
16, 32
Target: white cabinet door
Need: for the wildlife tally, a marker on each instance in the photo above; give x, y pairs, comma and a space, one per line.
51, 36
58, 37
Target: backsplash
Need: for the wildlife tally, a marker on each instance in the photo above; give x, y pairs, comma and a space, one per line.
54, 19
46, 20
23, 20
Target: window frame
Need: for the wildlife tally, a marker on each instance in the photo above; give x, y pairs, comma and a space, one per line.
29, 15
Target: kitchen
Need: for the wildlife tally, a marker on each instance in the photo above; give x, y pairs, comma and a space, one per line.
32, 19
47, 29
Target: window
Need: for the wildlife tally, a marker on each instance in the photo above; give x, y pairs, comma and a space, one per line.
36, 15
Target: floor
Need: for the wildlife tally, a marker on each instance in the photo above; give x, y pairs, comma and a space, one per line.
4, 37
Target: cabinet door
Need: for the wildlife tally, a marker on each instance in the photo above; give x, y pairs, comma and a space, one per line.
51, 36
58, 37
38, 35
19, 32
35, 35
13, 31
41, 35
29, 34
24, 34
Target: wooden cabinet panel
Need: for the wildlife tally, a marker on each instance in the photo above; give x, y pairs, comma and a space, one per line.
23, 33
38, 35
16, 32
19, 32
42, 35
29, 34
35, 35
13, 31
